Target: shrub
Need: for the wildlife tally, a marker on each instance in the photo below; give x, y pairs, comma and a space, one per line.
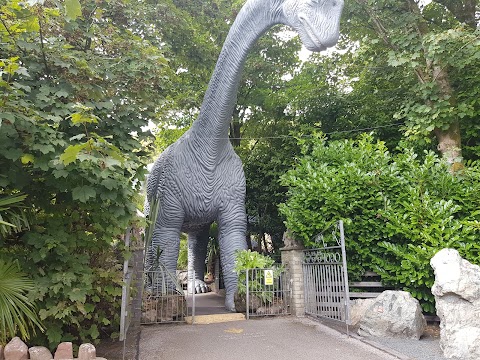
248, 260
399, 209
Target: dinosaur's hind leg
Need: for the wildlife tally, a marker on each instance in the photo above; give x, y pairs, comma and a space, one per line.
232, 226
197, 253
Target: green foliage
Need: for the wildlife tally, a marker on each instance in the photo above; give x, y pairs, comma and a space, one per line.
433, 50
247, 259
78, 83
399, 209
251, 260
182, 261
17, 311
12, 214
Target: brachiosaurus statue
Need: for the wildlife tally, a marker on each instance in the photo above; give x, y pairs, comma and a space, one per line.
199, 179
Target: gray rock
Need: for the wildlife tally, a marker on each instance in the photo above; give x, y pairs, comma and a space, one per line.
457, 295
64, 351
15, 350
40, 353
1, 353
393, 314
87, 352
358, 307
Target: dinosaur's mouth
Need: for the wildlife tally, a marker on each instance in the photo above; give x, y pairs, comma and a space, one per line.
308, 30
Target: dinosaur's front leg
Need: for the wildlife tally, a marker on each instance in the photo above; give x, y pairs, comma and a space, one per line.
163, 254
232, 227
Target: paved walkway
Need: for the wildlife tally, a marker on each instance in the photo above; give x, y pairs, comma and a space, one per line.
279, 338
287, 338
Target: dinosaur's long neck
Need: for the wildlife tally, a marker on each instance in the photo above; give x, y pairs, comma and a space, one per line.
209, 133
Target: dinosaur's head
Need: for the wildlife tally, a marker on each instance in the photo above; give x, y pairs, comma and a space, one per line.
316, 21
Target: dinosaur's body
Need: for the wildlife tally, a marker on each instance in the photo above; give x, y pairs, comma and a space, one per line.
199, 179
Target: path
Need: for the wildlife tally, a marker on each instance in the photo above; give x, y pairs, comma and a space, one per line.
277, 338
266, 338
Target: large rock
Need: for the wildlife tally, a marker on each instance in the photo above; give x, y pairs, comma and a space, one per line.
40, 353
457, 295
16, 349
358, 307
393, 314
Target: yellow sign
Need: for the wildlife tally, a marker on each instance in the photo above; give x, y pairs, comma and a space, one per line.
268, 277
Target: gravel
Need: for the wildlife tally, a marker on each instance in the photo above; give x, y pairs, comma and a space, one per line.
424, 349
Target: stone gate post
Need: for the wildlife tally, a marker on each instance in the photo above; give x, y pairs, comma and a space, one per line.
292, 258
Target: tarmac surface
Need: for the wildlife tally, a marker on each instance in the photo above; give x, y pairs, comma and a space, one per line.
282, 338
266, 338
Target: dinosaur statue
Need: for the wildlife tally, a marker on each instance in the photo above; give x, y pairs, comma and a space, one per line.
199, 179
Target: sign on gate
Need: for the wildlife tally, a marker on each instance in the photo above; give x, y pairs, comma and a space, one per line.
268, 275
326, 278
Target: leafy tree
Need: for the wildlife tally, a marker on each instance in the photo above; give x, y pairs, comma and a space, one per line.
78, 82
436, 47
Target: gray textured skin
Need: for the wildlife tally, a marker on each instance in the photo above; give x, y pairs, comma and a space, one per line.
199, 179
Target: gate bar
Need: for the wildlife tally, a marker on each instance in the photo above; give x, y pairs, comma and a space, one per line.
345, 276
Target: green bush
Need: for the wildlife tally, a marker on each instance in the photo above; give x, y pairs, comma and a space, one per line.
399, 209
248, 260
71, 139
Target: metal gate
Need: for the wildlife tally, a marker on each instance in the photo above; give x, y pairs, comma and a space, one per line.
267, 291
163, 298
325, 277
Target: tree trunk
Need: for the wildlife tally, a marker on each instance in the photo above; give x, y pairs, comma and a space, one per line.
449, 141
450, 146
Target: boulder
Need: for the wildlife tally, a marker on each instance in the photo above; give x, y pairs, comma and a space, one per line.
40, 353
393, 314
87, 352
358, 307
64, 351
16, 349
457, 296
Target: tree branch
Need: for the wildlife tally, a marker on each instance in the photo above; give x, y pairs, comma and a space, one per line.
44, 56
11, 36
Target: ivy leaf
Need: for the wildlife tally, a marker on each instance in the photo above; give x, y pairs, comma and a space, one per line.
83, 193
73, 9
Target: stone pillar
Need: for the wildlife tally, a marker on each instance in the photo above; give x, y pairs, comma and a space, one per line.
292, 258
